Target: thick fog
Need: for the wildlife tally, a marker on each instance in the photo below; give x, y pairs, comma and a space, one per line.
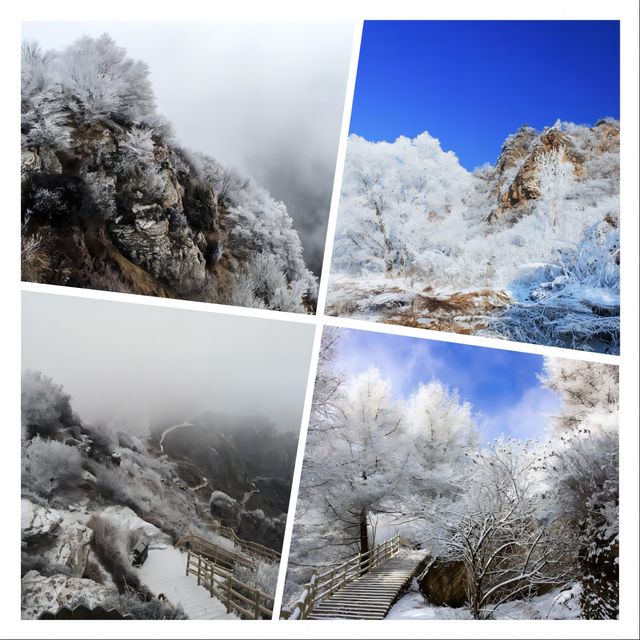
264, 97
132, 365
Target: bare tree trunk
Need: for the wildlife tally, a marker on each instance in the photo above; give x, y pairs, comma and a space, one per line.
388, 258
364, 534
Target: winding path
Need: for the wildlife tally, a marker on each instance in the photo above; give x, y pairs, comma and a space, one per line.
173, 428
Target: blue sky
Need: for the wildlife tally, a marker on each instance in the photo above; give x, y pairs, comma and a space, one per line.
502, 386
472, 83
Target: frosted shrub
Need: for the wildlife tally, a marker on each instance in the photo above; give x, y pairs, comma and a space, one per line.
574, 301
102, 82
102, 189
49, 467
46, 408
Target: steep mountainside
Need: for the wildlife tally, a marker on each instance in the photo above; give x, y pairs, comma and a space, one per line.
526, 249
111, 201
90, 494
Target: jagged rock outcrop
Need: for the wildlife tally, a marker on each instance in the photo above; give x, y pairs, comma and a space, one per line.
515, 149
524, 186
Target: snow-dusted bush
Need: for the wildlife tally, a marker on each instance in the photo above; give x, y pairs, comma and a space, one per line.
111, 546
50, 467
102, 82
263, 576
102, 189
268, 281
44, 119
390, 191
574, 300
130, 602
46, 408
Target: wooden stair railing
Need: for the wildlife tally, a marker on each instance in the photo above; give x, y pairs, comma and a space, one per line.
322, 585
249, 602
253, 548
215, 553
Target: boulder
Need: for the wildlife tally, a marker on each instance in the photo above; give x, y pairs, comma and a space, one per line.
72, 548
37, 521
445, 583
42, 594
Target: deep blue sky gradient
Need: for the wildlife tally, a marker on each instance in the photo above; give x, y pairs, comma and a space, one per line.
472, 83
502, 386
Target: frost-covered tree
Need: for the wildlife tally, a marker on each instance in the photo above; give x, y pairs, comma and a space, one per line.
329, 384
389, 193
554, 179
494, 530
362, 464
44, 118
441, 425
582, 467
46, 408
102, 82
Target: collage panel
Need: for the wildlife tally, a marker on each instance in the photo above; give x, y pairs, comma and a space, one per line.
481, 187
181, 160
157, 451
444, 481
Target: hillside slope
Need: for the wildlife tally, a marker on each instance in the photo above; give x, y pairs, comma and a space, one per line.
111, 201
89, 494
526, 249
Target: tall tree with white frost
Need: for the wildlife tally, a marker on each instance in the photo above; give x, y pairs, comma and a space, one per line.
365, 465
554, 180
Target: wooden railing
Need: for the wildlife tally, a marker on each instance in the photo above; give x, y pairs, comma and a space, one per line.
253, 548
247, 601
225, 558
323, 585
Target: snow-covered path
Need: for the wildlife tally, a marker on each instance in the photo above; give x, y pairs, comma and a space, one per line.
164, 572
186, 423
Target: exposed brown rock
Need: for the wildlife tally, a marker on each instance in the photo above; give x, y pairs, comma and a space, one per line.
445, 584
524, 186
514, 150
607, 133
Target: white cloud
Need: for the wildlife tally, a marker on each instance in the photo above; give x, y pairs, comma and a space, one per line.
529, 418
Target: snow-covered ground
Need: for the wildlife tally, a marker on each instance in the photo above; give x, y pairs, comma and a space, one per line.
559, 604
164, 572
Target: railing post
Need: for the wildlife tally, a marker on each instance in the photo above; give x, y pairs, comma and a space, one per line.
199, 568
228, 603
188, 561
257, 616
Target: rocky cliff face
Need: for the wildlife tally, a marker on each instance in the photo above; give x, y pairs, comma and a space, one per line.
111, 201
516, 173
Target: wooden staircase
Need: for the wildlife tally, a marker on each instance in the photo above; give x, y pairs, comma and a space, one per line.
361, 588
370, 597
213, 565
